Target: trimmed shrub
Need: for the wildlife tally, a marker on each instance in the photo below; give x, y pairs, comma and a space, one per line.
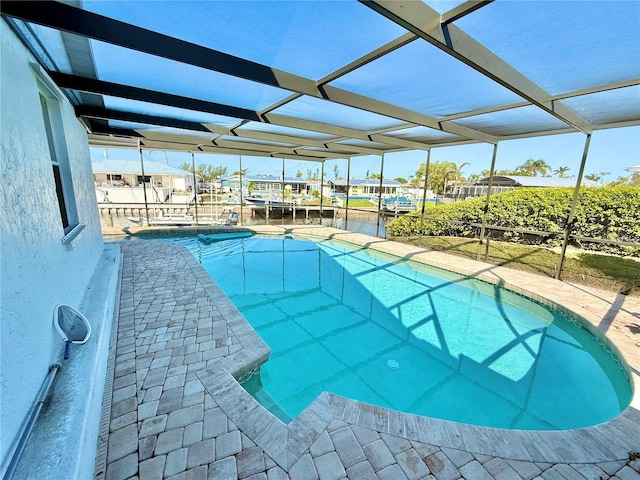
610, 212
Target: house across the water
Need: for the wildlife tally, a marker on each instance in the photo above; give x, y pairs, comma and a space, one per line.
367, 187
255, 184
122, 181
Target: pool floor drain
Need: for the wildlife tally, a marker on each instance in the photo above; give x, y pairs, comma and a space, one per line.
393, 364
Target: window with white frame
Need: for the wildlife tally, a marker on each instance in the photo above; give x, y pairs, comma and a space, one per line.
50, 106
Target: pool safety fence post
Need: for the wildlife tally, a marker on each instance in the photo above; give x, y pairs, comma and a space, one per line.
144, 189
240, 172
380, 194
346, 212
321, 189
424, 190
574, 202
486, 206
195, 185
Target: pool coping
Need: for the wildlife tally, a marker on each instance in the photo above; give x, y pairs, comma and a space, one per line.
285, 443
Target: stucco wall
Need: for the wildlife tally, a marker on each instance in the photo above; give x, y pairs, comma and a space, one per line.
37, 271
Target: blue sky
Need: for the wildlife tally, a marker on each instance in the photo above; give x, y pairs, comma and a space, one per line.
610, 151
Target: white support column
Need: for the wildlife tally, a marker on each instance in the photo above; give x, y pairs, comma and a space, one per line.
574, 202
195, 186
380, 194
144, 188
346, 212
486, 206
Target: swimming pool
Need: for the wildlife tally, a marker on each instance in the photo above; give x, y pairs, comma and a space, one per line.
366, 326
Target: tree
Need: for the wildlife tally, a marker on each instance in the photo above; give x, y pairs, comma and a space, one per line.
206, 172
367, 174
531, 168
375, 176
439, 174
298, 174
542, 167
474, 177
336, 172
633, 179
457, 174
602, 175
218, 171
621, 180
401, 180
561, 171
242, 172
528, 168
594, 177
486, 172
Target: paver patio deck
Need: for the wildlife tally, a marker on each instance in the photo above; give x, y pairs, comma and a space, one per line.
175, 410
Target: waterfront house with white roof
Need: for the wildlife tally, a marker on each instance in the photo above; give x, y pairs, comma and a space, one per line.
122, 181
264, 184
368, 187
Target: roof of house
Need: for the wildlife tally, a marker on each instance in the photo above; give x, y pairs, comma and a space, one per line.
266, 178
525, 181
358, 182
133, 167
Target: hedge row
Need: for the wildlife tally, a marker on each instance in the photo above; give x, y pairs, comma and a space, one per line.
603, 212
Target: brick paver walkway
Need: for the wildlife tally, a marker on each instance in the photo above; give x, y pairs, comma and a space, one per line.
175, 330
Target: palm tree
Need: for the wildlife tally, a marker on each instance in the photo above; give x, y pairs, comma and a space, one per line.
531, 167
474, 177
542, 167
594, 177
457, 174
561, 171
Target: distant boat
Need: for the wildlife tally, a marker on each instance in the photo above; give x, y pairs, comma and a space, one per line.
399, 205
182, 220
216, 237
256, 200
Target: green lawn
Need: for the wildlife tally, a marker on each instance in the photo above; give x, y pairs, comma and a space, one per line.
585, 268
361, 203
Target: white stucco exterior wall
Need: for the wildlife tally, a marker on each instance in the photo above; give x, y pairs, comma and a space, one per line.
37, 270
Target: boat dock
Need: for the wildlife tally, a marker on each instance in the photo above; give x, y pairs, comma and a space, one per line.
294, 210
138, 209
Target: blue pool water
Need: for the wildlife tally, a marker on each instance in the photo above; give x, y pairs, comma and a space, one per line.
408, 337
